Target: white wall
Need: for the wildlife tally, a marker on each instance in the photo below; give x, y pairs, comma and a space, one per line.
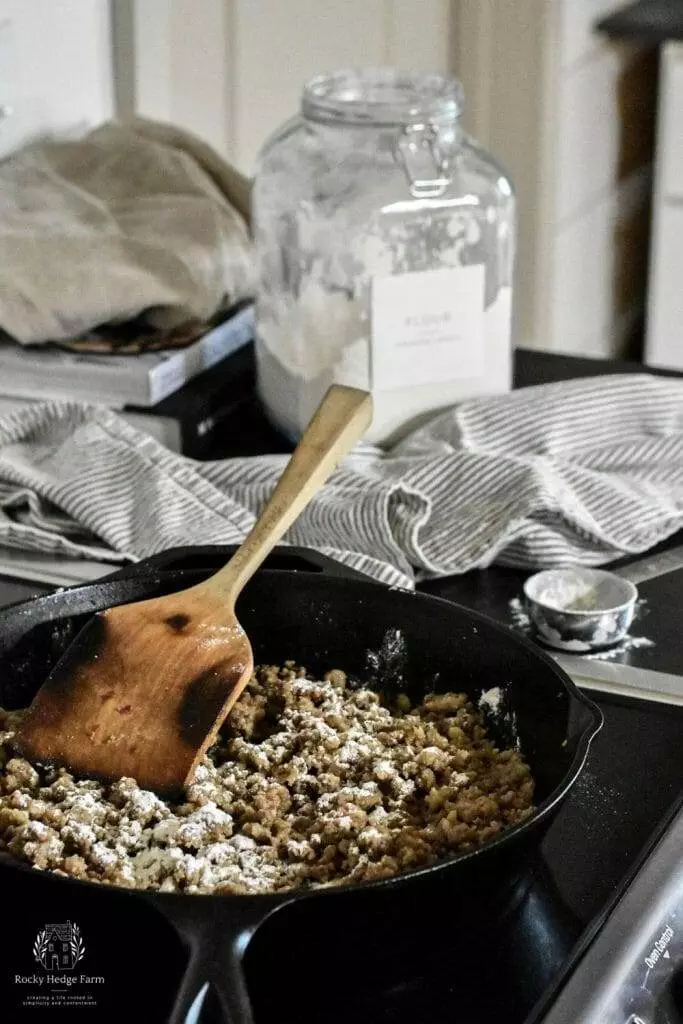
544, 93
232, 70
570, 114
55, 66
602, 175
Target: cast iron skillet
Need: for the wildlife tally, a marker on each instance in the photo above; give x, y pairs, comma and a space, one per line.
326, 622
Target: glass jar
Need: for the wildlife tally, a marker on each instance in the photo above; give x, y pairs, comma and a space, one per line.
385, 244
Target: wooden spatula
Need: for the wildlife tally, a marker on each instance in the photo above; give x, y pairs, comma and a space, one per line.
145, 687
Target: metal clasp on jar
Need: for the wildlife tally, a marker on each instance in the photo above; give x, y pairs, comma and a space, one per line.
417, 150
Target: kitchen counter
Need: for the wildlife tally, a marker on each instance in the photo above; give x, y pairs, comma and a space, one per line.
248, 432
648, 20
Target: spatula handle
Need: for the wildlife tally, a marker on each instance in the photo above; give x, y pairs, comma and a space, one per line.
341, 419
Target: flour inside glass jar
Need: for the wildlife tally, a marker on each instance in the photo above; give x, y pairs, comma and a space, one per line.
385, 254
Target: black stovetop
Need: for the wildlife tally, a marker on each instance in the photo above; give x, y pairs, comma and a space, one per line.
441, 961
495, 593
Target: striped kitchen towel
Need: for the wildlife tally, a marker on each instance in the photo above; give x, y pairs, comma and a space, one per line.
578, 472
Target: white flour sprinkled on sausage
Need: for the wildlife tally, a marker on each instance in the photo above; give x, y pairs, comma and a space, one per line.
311, 783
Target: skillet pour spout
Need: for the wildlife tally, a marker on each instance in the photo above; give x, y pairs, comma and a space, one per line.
328, 622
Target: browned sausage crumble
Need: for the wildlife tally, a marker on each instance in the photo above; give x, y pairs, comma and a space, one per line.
311, 783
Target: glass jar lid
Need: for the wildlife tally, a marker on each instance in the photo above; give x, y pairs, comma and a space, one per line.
382, 96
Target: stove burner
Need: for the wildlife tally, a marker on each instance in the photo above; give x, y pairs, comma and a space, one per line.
490, 960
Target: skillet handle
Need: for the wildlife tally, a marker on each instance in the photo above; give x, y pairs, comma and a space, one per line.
193, 983
219, 965
217, 931
228, 980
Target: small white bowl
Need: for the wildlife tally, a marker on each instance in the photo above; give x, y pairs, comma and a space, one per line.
577, 609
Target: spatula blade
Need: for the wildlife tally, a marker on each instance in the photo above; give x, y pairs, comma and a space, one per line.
141, 692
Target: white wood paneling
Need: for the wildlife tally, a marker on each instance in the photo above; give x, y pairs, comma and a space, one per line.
589, 141
664, 325
55, 67
508, 67
543, 92
174, 63
592, 304
569, 114
279, 46
578, 38
670, 142
153, 61
199, 67
421, 34
665, 319
605, 107
232, 70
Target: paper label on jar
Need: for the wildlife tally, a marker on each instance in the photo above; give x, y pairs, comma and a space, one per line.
427, 327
